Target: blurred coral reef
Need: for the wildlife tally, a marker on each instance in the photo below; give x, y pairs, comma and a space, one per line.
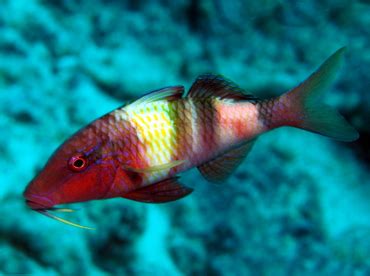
298, 205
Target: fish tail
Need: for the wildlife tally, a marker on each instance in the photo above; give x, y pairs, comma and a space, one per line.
301, 107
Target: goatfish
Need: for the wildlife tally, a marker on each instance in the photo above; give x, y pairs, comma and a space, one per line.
137, 151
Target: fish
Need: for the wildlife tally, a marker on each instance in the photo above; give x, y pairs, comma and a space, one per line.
138, 150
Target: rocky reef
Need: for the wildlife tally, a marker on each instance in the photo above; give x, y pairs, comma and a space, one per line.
298, 205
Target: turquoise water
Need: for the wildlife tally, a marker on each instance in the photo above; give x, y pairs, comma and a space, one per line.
298, 205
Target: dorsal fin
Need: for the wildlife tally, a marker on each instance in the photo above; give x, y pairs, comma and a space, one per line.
209, 86
169, 93
220, 168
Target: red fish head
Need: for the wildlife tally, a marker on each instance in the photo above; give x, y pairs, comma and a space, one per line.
80, 170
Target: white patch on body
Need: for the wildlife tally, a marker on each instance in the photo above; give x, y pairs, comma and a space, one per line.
237, 122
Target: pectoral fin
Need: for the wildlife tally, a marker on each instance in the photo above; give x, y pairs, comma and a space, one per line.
164, 191
220, 168
156, 168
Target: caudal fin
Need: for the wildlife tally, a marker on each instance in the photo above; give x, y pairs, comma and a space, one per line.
303, 107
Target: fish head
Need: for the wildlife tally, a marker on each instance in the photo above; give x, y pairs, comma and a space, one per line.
81, 169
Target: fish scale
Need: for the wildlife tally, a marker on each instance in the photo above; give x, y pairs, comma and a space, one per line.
156, 131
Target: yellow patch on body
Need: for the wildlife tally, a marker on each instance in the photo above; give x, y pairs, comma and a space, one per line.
156, 131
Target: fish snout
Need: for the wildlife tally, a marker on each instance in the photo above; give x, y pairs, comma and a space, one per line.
37, 202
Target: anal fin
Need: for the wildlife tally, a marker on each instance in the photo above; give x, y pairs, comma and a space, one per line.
164, 191
220, 168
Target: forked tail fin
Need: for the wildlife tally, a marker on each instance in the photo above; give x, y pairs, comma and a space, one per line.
302, 107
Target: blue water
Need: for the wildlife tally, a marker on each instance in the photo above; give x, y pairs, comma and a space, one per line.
298, 205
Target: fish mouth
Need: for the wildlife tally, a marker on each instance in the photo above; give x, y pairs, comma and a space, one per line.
39, 204
36, 206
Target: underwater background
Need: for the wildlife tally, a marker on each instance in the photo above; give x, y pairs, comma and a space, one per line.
298, 205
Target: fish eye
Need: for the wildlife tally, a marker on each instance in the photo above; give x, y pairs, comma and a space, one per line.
78, 163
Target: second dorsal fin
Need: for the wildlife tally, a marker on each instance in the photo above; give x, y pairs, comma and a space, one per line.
209, 85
